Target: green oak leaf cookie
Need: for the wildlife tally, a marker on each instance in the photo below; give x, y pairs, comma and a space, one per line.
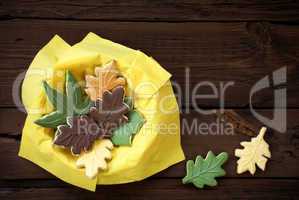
124, 134
73, 103
204, 171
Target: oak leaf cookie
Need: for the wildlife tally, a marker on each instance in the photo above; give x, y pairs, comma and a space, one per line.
106, 78
255, 152
96, 159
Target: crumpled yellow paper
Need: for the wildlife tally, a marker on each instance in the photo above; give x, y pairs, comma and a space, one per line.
156, 147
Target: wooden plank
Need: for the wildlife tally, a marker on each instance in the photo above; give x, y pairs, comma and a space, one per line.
11, 121
241, 53
10, 96
284, 148
160, 189
191, 10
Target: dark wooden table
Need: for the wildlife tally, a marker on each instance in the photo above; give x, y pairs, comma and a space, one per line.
219, 41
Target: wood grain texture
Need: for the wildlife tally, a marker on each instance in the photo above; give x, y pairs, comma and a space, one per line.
284, 147
134, 10
217, 40
241, 53
158, 189
11, 121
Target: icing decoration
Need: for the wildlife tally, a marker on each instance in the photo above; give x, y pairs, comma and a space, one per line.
123, 135
72, 104
106, 78
129, 102
95, 159
204, 171
254, 153
109, 113
78, 135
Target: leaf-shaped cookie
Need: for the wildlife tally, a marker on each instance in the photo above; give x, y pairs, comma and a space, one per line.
95, 159
78, 135
254, 153
106, 78
204, 171
109, 112
122, 136
72, 104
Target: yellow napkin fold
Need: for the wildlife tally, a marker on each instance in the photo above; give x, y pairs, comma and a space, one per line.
157, 145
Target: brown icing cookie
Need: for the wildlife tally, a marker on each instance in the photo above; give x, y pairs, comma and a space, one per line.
109, 113
78, 135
